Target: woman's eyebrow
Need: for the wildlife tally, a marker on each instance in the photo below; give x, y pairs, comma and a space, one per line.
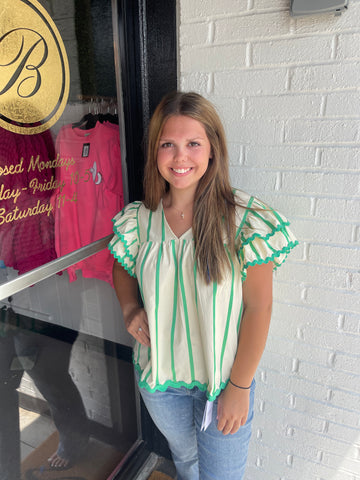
169, 139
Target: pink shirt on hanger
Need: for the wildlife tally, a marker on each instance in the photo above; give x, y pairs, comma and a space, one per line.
89, 195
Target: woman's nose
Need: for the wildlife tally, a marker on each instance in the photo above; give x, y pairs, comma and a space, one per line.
180, 154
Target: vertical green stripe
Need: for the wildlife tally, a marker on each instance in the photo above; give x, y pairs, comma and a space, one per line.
147, 375
176, 286
142, 270
231, 300
149, 226
214, 328
241, 256
191, 359
195, 286
141, 283
157, 295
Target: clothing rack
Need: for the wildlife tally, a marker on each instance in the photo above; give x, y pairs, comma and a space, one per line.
99, 103
100, 109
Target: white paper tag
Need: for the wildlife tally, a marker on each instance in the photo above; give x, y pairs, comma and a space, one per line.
207, 417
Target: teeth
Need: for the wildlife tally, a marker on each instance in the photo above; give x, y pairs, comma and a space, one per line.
181, 170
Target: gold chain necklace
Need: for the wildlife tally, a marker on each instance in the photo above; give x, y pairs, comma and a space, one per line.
182, 214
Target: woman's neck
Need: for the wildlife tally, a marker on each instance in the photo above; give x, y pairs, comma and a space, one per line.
179, 199
179, 205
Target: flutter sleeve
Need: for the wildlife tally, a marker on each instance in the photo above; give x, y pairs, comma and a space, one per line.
125, 243
263, 236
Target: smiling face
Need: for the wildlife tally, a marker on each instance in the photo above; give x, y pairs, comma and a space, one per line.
183, 153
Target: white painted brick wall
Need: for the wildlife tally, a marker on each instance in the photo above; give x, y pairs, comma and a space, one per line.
288, 90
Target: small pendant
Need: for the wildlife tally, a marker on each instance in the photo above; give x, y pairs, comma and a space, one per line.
182, 215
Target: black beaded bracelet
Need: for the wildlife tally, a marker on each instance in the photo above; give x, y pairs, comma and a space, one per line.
238, 386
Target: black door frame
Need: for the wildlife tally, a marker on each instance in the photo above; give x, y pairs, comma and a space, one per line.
148, 56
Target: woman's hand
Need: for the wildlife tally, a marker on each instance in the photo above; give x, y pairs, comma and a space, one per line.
136, 323
233, 404
233, 409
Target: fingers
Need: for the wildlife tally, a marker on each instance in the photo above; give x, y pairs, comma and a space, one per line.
138, 327
232, 409
145, 328
231, 426
142, 335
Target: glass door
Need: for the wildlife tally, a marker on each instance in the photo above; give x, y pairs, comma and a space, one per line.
67, 396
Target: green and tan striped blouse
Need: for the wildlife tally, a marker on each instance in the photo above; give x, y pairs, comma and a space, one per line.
193, 326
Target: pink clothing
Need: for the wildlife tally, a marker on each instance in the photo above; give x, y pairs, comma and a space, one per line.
26, 222
90, 193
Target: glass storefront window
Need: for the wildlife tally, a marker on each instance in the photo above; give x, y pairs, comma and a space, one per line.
66, 379
60, 161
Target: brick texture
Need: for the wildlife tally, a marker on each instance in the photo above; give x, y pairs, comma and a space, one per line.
288, 91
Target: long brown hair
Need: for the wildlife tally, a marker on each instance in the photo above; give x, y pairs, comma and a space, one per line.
214, 203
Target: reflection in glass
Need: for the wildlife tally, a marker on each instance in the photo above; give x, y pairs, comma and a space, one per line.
27, 345
80, 383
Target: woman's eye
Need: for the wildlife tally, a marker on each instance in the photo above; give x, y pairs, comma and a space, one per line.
166, 145
194, 144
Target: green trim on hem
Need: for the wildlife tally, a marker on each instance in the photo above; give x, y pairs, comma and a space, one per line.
170, 383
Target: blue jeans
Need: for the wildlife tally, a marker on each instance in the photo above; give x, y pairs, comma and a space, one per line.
198, 455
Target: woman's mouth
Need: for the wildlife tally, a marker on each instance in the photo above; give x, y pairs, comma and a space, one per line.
181, 171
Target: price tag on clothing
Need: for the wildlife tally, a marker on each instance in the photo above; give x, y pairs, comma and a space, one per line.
207, 417
85, 150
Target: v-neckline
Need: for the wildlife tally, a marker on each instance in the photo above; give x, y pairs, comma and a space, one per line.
189, 230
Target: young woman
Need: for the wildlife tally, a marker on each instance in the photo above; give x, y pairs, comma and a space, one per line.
202, 255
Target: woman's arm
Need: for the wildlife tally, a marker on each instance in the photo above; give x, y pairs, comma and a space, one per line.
233, 405
135, 318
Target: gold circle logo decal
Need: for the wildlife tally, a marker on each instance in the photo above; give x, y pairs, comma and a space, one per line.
34, 69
